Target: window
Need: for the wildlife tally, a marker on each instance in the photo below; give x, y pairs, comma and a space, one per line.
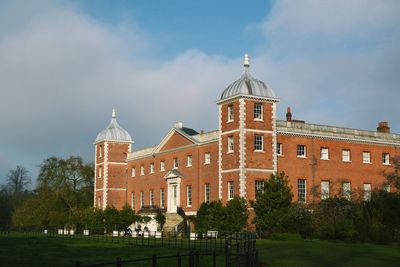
301, 190
324, 189
259, 185
230, 113
151, 198
141, 199
346, 190
176, 164
162, 201
151, 167
230, 144
385, 158
100, 174
207, 193
324, 153
133, 172
189, 161
366, 157
100, 151
207, 158
346, 155
367, 192
386, 188
231, 190
301, 151
258, 111
142, 170
258, 142
189, 195
133, 200
162, 166
279, 149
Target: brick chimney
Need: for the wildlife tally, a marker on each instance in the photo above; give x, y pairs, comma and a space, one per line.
383, 127
289, 114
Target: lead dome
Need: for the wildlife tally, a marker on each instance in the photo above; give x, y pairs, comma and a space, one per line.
114, 132
248, 85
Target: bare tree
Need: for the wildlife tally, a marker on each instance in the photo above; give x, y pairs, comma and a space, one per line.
18, 180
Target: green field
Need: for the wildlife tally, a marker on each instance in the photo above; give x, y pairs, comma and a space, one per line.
20, 250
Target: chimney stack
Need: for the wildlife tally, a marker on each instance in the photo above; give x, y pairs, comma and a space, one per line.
289, 114
383, 127
178, 124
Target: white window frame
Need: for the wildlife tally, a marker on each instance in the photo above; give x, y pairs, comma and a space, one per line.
151, 198
366, 157
324, 153
151, 167
279, 150
189, 161
367, 192
346, 155
230, 144
302, 190
207, 192
385, 158
346, 190
230, 115
301, 151
231, 190
133, 172
258, 143
100, 151
325, 190
162, 165
258, 112
100, 172
176, 163
258, 185
162, 198
207, 158
99, 202
189, 196
142, 170
141, 199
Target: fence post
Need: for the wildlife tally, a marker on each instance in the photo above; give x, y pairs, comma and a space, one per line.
197, 259
214, 259
179, 260
154, 260
118, 262
191, 259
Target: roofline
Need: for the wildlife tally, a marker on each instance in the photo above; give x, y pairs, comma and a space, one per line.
272, 99
113, 141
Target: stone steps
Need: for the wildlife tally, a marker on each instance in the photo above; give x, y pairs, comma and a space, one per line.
171, 220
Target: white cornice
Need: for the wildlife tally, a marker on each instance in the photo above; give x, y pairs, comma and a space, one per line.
259, 98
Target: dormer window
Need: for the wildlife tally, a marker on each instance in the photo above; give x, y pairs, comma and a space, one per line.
230, 113
258, 111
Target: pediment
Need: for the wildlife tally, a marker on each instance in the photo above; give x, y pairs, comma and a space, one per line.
171, 174
175, 139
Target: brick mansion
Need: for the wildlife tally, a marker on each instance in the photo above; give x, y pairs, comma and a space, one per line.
188, 168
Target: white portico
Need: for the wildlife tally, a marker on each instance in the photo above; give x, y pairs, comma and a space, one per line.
173, 178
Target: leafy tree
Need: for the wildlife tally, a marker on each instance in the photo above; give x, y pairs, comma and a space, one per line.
160, 218
236, 215
111, 218
127, 217
272, 204
299, 220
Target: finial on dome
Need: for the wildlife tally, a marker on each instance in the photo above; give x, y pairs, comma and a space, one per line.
246, 61
114, 115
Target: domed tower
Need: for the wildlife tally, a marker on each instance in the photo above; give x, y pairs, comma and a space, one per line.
112, 146
247, 136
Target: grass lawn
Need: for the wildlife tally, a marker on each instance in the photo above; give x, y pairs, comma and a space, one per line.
20, 250
299, 253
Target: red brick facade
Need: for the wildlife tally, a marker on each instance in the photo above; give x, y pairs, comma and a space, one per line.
188, 168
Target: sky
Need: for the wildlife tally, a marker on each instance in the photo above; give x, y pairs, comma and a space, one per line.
65, 64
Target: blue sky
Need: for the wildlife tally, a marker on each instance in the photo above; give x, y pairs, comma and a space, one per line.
65, 64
